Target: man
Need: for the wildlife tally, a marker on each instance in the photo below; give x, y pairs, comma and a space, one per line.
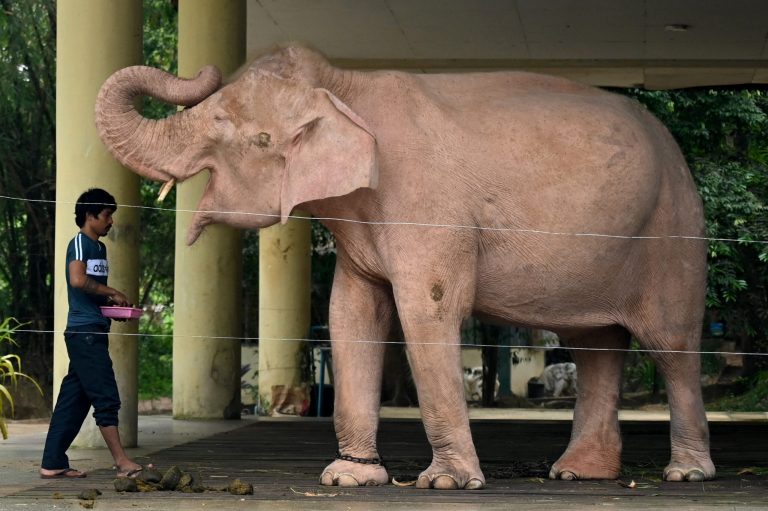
90, 380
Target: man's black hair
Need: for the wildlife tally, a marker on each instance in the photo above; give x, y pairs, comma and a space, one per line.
93, 201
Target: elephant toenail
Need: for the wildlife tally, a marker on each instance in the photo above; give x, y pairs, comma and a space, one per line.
695, 476
474, 484
326, 479
424, 482
675, 475
445, 482
567, 475
347, 480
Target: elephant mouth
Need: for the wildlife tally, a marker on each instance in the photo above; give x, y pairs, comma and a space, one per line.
203, 214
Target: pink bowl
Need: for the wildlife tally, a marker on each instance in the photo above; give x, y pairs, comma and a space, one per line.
121, 312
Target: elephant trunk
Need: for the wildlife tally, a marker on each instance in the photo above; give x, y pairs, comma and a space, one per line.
148, 146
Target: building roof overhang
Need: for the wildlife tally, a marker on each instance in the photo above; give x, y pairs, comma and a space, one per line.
656, 44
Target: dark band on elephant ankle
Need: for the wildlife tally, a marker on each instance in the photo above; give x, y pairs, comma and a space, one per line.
363, 461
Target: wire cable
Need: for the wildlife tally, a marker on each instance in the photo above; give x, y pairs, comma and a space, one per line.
419, 224
407, 343
423, 225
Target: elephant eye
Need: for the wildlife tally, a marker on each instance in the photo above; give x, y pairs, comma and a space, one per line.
220, 116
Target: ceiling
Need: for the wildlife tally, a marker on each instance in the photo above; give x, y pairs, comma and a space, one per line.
655, 44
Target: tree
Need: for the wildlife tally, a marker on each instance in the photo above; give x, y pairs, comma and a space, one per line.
27, 170
724, 136
158, 238
157, 242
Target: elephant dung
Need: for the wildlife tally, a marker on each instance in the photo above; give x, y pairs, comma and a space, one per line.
125, 484
237, 487
190, 483
151, 475
145, 487
171, 478
89, 494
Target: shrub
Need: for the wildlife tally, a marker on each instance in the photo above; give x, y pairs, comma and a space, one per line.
10, 372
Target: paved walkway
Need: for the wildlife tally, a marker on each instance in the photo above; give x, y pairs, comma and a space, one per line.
283, 458
20, 455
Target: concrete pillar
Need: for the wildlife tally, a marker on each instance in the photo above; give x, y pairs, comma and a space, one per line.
284, 300
94, 39
208, 275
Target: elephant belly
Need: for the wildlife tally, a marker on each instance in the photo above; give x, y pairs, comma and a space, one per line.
583, 284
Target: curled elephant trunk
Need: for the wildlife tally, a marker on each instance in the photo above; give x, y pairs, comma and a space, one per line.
148, 146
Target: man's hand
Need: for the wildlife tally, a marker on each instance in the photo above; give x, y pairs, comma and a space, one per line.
118, 298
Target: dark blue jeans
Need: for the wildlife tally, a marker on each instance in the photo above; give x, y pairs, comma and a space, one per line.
89, 382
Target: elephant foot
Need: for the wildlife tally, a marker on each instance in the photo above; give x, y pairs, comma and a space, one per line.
690, 470
347, 473
587, 462
442, 477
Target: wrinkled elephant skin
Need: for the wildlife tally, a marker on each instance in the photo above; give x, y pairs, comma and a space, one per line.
537, 162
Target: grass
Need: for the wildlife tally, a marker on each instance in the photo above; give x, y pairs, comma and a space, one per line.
10, 373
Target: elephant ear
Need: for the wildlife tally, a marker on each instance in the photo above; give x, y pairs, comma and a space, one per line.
332, 153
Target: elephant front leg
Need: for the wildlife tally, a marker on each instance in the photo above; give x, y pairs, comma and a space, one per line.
437, 371
360, 318
434, 348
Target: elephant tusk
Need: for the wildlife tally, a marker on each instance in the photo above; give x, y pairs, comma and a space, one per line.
165, 189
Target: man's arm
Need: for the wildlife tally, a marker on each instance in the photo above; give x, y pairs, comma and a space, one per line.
80, 280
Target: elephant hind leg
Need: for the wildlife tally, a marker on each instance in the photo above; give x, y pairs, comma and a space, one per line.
666, 318
594, 451
675, 352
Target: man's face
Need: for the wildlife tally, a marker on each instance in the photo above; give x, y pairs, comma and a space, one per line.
102, 223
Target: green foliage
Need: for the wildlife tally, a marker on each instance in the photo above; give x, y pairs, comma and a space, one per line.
251, 284
323, 267
10, 372
27, 170
724, 137
158, 235
754, 400
160, 34
160, 48
155, 353
640, 373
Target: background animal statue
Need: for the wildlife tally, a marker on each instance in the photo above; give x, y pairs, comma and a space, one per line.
477, 192
560, 379
473, 384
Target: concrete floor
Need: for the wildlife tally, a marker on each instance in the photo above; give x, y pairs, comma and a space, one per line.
20, 457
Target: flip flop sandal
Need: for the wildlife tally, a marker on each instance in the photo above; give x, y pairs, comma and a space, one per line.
131, 474
67, 473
